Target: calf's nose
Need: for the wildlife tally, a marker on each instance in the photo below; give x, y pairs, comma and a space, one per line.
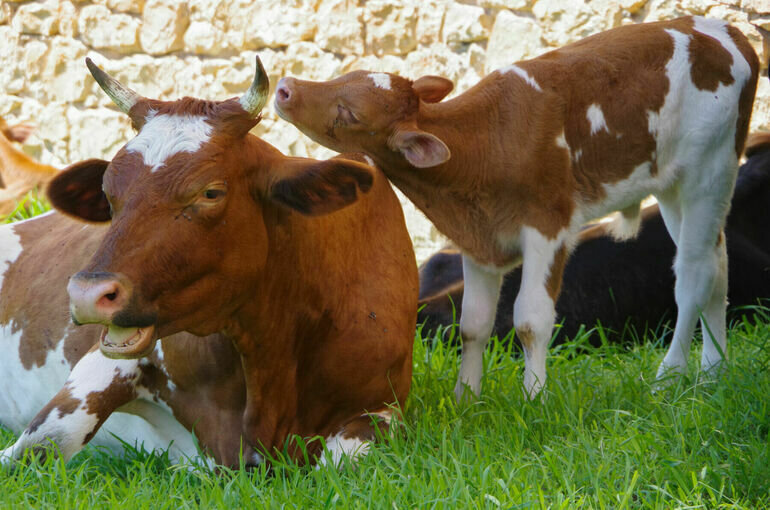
96, 297
283, 91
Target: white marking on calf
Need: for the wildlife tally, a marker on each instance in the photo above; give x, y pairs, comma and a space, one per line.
523, 74
370, 161
381, 80
596, 118
338, 447
561, 141
10, 249
165, 135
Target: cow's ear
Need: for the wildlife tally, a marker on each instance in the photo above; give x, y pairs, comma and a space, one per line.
320, 187
432, 89
19, 132
420, 148
77, 191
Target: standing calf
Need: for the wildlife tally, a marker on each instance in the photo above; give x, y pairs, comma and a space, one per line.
543, 146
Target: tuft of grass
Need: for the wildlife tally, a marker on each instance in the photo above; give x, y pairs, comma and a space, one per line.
598, 437
31, 204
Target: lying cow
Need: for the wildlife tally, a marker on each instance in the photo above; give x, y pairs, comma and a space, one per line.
543, 146
19, 173
214, 232
626, 286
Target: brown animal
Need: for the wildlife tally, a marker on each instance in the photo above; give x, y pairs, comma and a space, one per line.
215, 232
543, 146
19, 173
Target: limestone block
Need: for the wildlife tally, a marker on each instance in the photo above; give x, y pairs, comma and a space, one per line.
565, 22
430, 20
48, 143
37, 18
307, 61
385, 64
440, 60
342, 27
11, 77
132, 6
68, 19
519, 5
64, 73
97, 133
391, 27
658, 10
477, 59
465, 23
513, 38
5, 12
755, 6
163, 26
101, 29
202, 37
267, 23
150, 77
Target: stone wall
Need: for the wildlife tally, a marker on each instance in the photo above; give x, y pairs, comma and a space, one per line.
205, 48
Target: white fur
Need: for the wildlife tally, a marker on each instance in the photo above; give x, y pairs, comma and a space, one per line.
10, 249
381, 80
338, 447
596, 118
561, 141
370, 161
534, 308
480, 296
162, 136
523, 74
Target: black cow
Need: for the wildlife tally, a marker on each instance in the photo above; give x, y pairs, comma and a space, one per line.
627, 287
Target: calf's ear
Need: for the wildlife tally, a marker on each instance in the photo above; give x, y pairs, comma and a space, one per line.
432, 89
77, 191
320, 187
19, 132
420, 148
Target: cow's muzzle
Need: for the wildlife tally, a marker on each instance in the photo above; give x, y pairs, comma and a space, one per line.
105, 298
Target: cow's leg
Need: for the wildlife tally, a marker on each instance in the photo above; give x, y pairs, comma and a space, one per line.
482, 291
534, 308
700, 267
713, 322
95, 388
354, 438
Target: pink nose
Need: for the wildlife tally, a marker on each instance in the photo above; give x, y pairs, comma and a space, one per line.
283, 93
96, 297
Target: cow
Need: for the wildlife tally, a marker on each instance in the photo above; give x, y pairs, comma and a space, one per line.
254, 269
19, 173
512, 168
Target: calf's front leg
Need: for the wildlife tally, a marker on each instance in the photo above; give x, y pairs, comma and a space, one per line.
534, 308
482, 291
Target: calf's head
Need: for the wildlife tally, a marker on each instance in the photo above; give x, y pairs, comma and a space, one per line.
364, 111
187, 202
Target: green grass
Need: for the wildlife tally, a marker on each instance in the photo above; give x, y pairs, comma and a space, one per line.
599, 439
30, 205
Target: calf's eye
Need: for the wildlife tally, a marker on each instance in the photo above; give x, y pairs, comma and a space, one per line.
213, 194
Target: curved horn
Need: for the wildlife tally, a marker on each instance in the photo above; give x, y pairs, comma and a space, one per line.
255, 98
121, 95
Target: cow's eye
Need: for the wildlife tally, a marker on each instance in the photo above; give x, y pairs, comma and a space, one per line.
213, 193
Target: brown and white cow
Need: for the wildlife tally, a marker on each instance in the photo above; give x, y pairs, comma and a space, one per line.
541, 147
300, 271
19, 173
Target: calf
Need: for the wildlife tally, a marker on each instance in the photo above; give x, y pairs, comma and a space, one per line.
543, 146
19, 173
215, 232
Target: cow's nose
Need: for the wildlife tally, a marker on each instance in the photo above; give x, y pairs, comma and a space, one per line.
283, 92
96, 297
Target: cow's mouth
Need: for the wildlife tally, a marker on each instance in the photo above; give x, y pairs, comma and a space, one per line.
130, 343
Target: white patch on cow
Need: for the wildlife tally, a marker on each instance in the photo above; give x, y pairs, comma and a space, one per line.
523, 74
10, 249
162, 364
162, 136
561, 141
381, 80
596, 118
482, 291
533, 309
577, 155
370, 161
338, 447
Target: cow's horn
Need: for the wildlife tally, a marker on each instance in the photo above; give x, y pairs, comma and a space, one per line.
255, 98
121, 95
